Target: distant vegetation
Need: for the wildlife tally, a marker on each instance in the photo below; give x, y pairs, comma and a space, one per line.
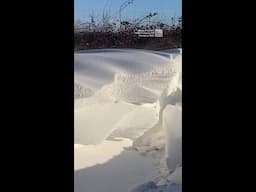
93, 40
107, 34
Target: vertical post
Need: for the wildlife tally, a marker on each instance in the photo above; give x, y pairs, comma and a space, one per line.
120, 17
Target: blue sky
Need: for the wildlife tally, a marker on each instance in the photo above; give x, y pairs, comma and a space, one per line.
165, 8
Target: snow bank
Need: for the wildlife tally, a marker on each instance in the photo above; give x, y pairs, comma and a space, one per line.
135, 95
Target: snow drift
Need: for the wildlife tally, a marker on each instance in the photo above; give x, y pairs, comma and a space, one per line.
134, 95
117, 79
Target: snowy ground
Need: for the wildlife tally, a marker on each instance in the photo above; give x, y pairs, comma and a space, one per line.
125, 139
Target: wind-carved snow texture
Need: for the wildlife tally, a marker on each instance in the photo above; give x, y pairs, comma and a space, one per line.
138, 88
81, 92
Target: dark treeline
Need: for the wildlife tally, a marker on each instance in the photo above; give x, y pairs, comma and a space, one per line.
127, 39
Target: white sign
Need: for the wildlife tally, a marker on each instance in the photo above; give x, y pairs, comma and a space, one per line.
150, 33
158, 33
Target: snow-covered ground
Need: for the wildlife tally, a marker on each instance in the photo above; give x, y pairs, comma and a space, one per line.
127, 120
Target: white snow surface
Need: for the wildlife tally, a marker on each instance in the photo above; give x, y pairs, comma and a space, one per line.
172, 123
127, 99
95, 152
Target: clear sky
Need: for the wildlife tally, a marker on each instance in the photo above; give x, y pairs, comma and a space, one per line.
165, 8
